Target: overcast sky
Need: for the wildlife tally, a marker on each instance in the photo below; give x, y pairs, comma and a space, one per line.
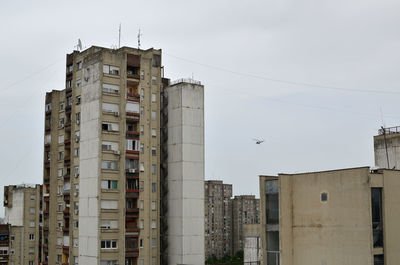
335, 66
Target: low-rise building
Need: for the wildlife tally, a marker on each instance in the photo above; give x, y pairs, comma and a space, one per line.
346, 216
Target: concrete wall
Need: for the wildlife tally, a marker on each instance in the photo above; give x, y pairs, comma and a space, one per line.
252, 242
392, 143
186, 174
15, 214
89, 165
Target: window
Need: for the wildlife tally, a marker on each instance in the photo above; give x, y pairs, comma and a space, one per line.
110, 107
153, 133
153, 97
109, 146
141, 148
153, 224
132, 107
62, 105
153, 80
76, 152
109, 205
61, 139
272, 247
32, 224
78, 84
60, 190
79, 65
12, 251
76, 188
379, 260
141, 204
142, 111
60, 155
59, 259
111, 70
377, 219
108, 88
78, 117
109, 262
142, 74
156, 60
30, 262
132, 145
141, 185
76, 224
153, 243
110, 126
77, 136
75, 242
31, 237
67, 186
141, 243
78, 100
109, 224
69, 83
141, 167
59, 241
31, 250
76, 260
69, 101
141, 129
60, 207
153, 187
76, 171
32, 210
324, 196
12, 237
48, 107
272, 201
131, 164
60, 172
153, 151
70, 68
109, 184
153, 169
110, 165
153, 115
153, 205
108, 244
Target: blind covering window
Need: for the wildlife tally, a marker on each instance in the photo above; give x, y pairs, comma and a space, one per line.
109, 205
132, 107
110, 107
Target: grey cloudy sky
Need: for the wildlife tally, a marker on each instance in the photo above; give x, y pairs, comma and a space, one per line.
235, 48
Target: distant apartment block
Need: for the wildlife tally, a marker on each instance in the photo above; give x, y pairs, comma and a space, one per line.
218, 218
112, 138
346, 216
23, 215
245, 210
387, 148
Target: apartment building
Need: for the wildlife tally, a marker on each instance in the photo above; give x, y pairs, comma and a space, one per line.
245, 210
387, 148
345, 216
105, 167
23, 215
4, 243
218, 218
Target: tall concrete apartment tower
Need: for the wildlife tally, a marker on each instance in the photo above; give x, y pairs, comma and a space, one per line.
218, 219
245, 210
387, 148
22, 213
103, 170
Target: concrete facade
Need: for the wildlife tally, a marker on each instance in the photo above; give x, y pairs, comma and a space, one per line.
185, 173
245, 210
23, 213
218, 218
252, 244
336, 217
387, 148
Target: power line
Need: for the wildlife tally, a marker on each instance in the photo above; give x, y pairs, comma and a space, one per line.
29, 76
343, 89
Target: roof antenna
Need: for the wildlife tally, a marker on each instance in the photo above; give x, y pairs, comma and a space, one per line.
119, 36
138, 39
79, 45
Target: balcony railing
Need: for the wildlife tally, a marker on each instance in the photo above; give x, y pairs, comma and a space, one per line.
389, 130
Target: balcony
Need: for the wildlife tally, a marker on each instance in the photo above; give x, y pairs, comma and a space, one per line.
131, 252
47, 164
132, 212
67, 142
67, 161
133, 97
66, 212
132, 193
66, 229
46, 180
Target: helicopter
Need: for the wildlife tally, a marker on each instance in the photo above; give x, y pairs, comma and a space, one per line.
258, 141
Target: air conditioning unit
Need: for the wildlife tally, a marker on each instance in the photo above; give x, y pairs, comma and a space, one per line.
117, 152
131, 170
116, 114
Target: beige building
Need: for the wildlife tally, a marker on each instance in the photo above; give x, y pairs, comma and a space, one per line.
347, 216
245, 210
22, 212
387, 148
218, 218
103, 160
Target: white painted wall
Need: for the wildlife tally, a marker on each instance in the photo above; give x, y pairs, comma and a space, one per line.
252, 249
186, 174
89, 166
15, 214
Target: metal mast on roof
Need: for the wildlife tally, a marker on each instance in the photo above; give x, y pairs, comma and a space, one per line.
138, 39
119, 36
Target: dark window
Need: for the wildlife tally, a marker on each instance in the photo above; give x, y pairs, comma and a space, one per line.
156, 60
324, 197
379, 260
377, 222
272, 201
273, 248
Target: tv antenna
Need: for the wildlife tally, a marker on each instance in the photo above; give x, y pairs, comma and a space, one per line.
138, 39
119, 36
79, 45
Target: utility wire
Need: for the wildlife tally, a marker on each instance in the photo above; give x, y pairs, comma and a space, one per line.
343, 89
